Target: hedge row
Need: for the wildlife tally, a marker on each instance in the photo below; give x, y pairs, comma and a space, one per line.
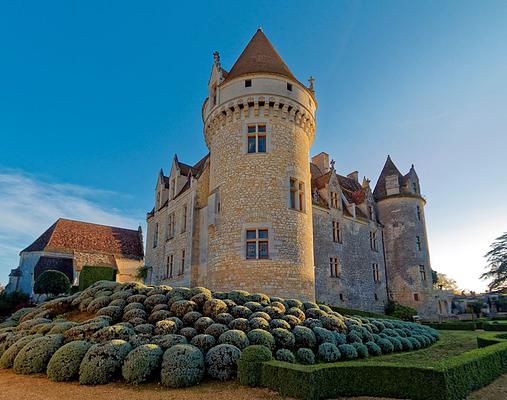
451, 379
494, 326
359, 313
90, 275
456, 326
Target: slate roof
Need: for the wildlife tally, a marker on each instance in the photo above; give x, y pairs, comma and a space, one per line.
388, 170
259, 56
69, 235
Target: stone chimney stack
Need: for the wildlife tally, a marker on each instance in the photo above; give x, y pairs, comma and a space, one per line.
321, 160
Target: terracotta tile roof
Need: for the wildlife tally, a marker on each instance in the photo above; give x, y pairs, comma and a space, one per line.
69, 235
388, 170
259, 56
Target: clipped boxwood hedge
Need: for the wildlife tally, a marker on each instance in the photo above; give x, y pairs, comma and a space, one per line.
456, 326
90, 275
451, 379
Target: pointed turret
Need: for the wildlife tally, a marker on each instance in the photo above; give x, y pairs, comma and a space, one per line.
259, 56
389, 176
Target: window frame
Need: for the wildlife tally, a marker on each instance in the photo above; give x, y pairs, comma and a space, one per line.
257, 241
376, 273
182, 263
337, 232
169, 266
418, 243
184, 216
297, 195
259, 136
373, 241
155, 236
248, 83
289, 87
334, 199
171, 224
422, 272
334, 267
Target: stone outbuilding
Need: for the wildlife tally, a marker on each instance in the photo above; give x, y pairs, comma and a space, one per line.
67, 246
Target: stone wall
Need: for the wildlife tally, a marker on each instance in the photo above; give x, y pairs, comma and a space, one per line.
355, 282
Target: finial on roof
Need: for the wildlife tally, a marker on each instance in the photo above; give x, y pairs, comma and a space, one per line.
311, 81
259, 28
216, 58
332, 164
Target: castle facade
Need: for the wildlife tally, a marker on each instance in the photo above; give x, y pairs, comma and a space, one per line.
256, 214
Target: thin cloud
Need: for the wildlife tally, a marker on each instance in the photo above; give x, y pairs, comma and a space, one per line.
30, 204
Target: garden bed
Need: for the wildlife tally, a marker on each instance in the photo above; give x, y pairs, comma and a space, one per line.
418, 375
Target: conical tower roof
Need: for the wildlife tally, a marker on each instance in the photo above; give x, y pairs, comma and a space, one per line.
259, 56
388, 170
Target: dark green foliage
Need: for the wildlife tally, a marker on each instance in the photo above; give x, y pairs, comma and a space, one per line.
64, 364
312, 323
497, 264
348, 351
224, 318
203, 323
51, 282
305, 356
406, 344
188, 332
283, 338
304, 337
111, 311
328, 352
396, 310
203, 342
353, 337
167, 341
249, 364
191, 318
34, 357
386, 346
254, 306
9, 302
182, 366
416, 345
258, 323
261, 337
239, 296
102, 362
9, 355
279, 323
165, 327
234, 337
181, 307
117, 331
216, 330
362, 350
221, 361
340, 338
396, 343
241, 312
240, 324
324, 335
90, 275
285, 355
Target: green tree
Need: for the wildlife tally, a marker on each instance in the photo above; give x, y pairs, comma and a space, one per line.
497, 264
51, 282
442, 281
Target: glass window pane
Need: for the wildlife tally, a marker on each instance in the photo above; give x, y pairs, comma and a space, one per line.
262, 144
250, 250
251, 144
263, 234
250, 234
263, 249
251, 128
262, 128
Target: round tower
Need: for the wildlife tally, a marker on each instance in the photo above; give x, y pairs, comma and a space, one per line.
259, 124
400, 208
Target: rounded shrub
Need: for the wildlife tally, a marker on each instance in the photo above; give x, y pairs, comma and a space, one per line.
273, 312
181, 307
51, 282
249, 371
136, 298
201, 298
305, 356
261, 337
102, 362
285, 355
386, 345
314, 313
291, 320
165, 327
34, 357
64, 364
159, 315
224, 318
254, 306
221, 361
139, 340
238, 296
373, 349
146, 329
296, 312
362, 350
216, 330
154, 300
111, 311
406, 344
241, 324
191, 317
396, 343
134, 313
416, 345
260, 298
160, 307
203, 342
347, 351
279, 323
283, 338
353, 337
304, 337
8, 356
62, 327
203, 323
213, 307
241, 312
167, 341
142, 363
235, 337
312, 323
324, 335
133, 306
98, 303
117, 331
328, 352
258, 323
188, 332
182, 366
260, 314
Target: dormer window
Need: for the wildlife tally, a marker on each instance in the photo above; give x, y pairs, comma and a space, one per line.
334, 200
414, 187
248, 83
289, 87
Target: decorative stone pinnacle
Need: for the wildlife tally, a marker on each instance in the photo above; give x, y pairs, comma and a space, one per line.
311, 81
216, 58
332, 164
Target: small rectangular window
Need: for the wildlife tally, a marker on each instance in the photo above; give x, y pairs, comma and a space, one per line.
341, 296
370, 212
376, 273
184, 219
289, 87
261, 143
376, 296
257, 244
418, 243
422, 271
297, 195
182, 270
251, 144
414, 187
418, 213
373, 240
334, 200
170, 263
337, 234
334, 267
155, 236
248, 82
416, 296
256, 138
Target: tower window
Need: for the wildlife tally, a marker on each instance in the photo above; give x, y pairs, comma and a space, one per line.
155, 236
422, 271
418, 243
373, 240
182, 269
170, 226
297, 195
376, 296
416, 296
184, 219
334, 200
418, 210
376, 273
257, 244
289, 87
341, 296
414, 187
334, 266
337, 233
248, 83
169, 266
256, 138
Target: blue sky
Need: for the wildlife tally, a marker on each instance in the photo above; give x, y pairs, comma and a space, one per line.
96, 96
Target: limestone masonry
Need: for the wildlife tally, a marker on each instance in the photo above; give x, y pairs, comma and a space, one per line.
255, 214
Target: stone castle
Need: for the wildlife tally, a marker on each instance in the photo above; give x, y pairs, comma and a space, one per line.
256, 214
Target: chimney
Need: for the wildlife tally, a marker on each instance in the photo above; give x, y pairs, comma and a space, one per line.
354, 175
321, 160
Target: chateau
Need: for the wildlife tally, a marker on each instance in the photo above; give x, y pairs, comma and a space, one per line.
256, 214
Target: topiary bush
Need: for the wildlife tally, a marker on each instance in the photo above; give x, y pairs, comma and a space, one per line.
102, 362
285, 355
249, 364
51, 282
305, 356
385, 345
347, 351
283, 338
203, 342
304, 337
221, 361
373, 349
328, 352
167, 341
9, 355
182, 366
34, 357
142, 363
261, 337
91, 275
235, 337
65, 362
